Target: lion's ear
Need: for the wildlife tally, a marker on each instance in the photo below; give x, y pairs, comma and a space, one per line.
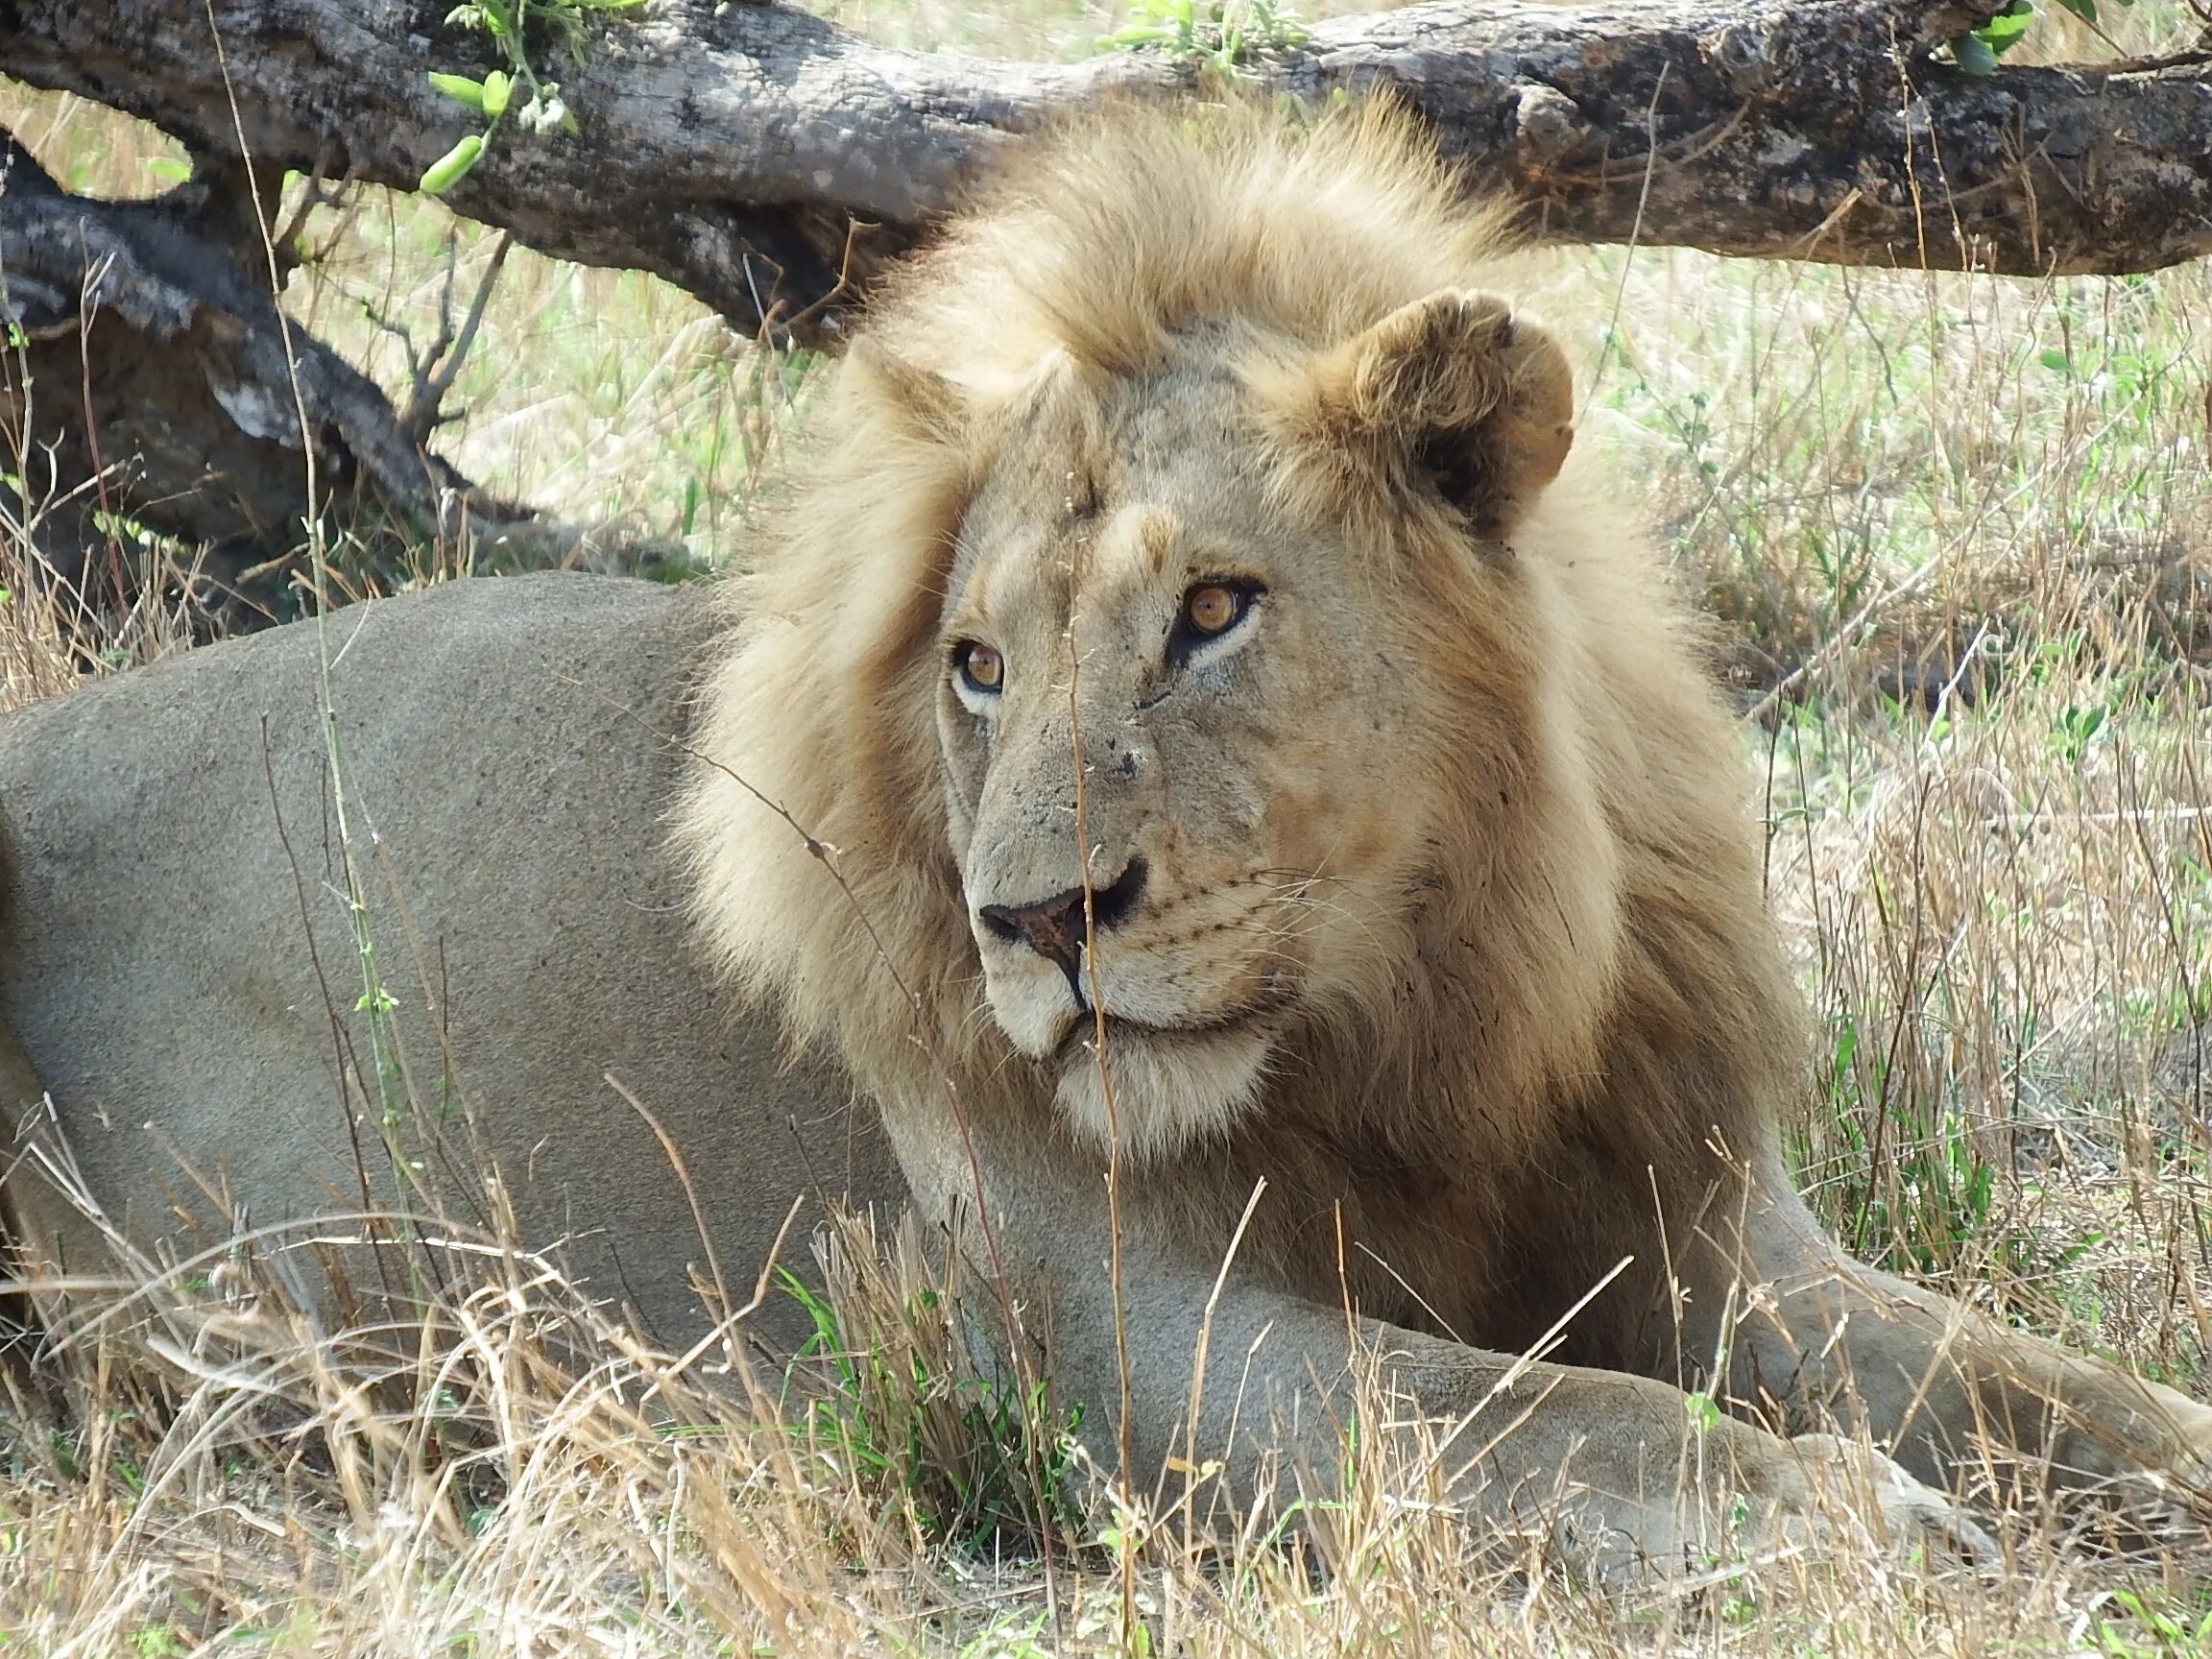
1456, 389
920, 399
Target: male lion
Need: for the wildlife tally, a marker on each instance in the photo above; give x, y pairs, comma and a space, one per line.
1182, 719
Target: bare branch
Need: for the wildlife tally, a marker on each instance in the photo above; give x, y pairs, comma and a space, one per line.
733, 149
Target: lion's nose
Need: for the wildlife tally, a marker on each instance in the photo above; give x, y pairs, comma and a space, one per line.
1053, 928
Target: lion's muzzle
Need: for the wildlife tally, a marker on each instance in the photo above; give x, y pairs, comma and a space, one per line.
1055, 929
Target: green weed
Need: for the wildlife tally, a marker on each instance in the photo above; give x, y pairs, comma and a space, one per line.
1220, 34
975, 1462
517, 93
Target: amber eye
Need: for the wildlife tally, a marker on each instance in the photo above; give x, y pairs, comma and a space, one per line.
981, 668
1217, 607
1211, 608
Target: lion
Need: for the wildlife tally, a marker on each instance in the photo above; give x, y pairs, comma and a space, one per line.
1196, 789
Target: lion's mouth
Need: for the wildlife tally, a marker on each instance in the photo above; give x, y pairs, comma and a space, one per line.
1084, 1036
1152, 1088
1253, 1015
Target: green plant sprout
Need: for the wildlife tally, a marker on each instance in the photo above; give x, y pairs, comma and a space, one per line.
1977, 51
1219, 33
518, 90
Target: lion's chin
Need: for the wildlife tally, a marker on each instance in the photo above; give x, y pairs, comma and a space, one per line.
1170, 1088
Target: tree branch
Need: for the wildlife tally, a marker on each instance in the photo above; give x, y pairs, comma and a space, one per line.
147, 372
732, 149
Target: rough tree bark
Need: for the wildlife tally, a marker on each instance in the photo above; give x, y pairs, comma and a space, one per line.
148, 376
769, 163
731, 149
146, 365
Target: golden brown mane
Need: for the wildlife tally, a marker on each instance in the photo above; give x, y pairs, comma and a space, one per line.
1590, 968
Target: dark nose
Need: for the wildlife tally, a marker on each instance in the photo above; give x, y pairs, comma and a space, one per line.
1053, 928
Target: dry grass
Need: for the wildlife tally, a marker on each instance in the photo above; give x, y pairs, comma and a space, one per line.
1953, 529
509, 1473
506, 1471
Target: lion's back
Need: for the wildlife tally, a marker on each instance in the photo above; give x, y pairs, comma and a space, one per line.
182, 964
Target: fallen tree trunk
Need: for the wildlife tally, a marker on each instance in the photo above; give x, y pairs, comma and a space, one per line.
735, 149
149, 378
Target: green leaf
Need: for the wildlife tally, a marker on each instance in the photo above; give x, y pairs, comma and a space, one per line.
497, 89
1972, 55
2056, 361
2085, 10
2004, 31
450, 168
468, 93
168, 169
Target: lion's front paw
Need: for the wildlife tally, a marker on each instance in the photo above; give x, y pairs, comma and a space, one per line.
2157, 1507
1849, 1490
2156, 1478
2137, 1453
1816, 1494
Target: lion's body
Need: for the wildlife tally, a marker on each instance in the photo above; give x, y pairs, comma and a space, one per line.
180, 964
1175, 725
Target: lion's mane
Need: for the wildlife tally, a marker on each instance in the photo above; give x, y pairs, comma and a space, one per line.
1619, 995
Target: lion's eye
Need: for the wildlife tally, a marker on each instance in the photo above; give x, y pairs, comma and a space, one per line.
981, 668
1210, 609
1214, 607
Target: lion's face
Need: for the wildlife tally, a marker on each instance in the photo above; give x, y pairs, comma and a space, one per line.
1135, 675
1165, 642
1177, 683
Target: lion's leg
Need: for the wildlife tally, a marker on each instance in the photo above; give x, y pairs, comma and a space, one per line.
1611, 1474
1623, 1476
1231, 1374
1952, 1393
